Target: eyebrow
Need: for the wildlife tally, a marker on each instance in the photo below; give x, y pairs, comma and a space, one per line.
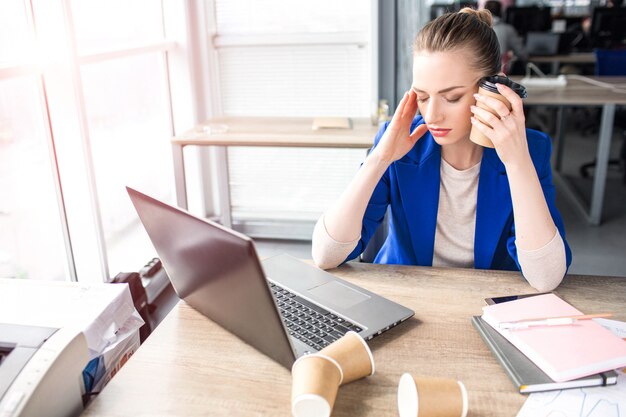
445, 90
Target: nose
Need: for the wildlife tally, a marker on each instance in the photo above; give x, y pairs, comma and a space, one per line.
433, 112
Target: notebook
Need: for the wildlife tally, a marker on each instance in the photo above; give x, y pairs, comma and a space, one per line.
283, 307
563, 352
526, 376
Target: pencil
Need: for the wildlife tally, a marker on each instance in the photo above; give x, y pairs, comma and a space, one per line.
575, 317
550, 321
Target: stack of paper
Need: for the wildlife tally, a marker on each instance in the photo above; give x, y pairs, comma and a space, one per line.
563, 352
524, 374
105, 313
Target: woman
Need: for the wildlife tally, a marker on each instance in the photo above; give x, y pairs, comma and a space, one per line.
453, 202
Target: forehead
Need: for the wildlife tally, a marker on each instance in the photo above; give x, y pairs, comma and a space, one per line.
435, 71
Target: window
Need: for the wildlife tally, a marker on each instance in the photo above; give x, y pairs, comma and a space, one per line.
30, 216
31, 241
318, 62
90, 96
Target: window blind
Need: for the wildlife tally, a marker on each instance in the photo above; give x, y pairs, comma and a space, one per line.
294, 59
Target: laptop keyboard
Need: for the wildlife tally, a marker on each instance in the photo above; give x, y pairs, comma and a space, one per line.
309, 322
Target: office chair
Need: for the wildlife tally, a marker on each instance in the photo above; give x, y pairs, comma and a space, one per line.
611, 62
377, 241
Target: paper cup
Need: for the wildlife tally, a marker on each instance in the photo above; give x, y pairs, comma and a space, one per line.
431, 397
316, 380
476, 135
487, 87
353, 356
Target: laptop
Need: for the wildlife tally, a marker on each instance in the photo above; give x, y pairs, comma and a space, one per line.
542, 43
283, 307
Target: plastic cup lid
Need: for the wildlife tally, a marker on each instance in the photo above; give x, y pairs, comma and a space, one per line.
489, 84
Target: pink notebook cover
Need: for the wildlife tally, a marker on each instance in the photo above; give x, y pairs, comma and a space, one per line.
563, 352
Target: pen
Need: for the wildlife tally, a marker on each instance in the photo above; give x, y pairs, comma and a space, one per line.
550, 321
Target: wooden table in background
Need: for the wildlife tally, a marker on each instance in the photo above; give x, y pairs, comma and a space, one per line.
557, 60
583, 94
190, 366
261, 131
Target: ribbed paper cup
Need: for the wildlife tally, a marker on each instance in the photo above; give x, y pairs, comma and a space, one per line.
316, 379
476, 135
487, 87
353, 356
431, 397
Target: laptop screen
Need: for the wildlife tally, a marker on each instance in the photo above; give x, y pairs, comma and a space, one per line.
216, 271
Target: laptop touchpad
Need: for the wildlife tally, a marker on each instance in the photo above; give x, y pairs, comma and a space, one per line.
338, 294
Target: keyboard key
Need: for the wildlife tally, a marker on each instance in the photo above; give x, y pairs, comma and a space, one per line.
307, 321
336, 334
341, 329
311, 305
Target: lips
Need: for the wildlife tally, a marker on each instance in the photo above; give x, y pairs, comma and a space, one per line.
439, 132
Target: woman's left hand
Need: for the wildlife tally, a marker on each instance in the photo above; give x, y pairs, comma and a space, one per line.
508, 128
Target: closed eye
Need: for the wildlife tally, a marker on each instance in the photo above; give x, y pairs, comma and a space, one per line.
453, 100
422, 99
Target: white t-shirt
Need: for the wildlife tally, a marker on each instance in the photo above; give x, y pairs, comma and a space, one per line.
544, 268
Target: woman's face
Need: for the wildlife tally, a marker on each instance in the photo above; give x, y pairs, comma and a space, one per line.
445, 86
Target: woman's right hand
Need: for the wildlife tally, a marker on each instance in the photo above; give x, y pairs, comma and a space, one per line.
397, 140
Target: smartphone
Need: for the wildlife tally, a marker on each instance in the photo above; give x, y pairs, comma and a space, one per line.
504, 299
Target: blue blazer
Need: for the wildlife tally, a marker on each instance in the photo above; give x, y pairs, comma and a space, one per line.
410, 188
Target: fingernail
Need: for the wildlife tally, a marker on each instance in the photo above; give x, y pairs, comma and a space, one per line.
477, 96
473, 119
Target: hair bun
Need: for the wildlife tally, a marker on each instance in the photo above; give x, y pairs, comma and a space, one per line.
482, 15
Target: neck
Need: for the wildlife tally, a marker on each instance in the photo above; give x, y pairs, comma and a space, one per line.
462, 155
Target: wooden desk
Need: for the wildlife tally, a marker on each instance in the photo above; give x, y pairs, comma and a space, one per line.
580, 93
557, 60
262, 131
191, 367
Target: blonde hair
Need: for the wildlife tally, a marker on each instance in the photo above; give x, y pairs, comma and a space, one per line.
467, 29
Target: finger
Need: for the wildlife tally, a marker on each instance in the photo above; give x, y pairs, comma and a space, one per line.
487, 130
483, 128
400, 108
493, 103
514, 99
485, 116
410, 107
418, 132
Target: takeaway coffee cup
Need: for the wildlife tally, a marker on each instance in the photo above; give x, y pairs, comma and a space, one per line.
316, 380
431, 397
487, 87
353, 356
